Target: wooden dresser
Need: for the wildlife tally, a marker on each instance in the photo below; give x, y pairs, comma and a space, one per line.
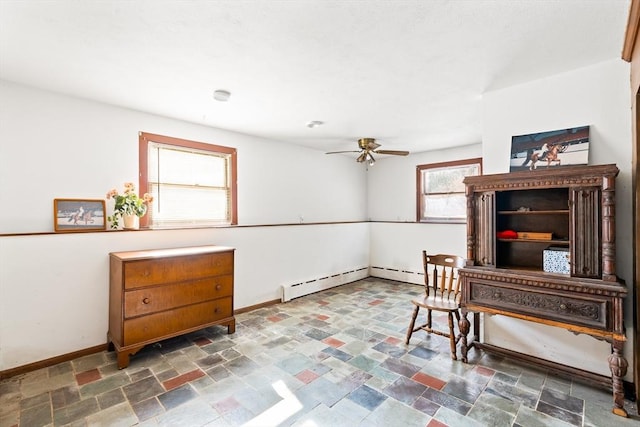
159, 294
560, 213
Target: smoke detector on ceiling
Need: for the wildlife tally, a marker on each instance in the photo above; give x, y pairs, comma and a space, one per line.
221, 95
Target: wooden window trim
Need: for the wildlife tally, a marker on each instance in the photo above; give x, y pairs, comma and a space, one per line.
421, 168
145, 138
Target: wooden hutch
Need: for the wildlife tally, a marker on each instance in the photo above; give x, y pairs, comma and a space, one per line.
571, 209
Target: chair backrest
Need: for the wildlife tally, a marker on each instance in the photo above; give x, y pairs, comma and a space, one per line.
441, 275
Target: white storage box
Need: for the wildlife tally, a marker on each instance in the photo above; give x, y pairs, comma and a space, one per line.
556, 260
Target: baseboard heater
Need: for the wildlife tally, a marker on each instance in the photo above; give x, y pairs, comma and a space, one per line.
397, 274
307, 287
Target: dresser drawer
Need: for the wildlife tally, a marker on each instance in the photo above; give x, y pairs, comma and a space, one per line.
587, 311
155, 271
152, 299
158, 325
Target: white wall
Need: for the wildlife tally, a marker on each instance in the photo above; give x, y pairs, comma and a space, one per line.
60, 147
597, 96
54, 287
398, 245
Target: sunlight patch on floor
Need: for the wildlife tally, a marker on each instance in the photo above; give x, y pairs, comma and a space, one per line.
279, 412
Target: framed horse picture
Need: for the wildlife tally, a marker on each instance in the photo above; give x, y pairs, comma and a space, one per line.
77, 215
557, 148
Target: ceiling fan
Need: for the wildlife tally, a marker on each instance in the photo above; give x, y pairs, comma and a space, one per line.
369, 146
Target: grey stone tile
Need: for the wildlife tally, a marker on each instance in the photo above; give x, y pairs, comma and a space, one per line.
491, 416
147, 408
561, 400
367, 397
363, 362
391, 350
394, 413
38, 415
177, 396
426, 406
323, 391
318, 334
241, 366
110, 398
104, 385
400, 367
65, 396
120, 415
489, 398
76, 411
295, 363
561, 414
514, 393
35, 401
60, 368
194, 413
338, 354
447, 401
405, 390
217, 346
143, 389
463, 390
452, 418
528, 417
89, 362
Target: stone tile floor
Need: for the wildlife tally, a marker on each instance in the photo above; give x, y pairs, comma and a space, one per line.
335, 358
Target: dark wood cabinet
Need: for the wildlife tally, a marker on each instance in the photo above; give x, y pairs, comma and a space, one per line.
159, 294
516, 220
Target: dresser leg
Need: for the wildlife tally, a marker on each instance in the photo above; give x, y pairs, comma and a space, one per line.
123, 359
618, 365
463, 325
231, 328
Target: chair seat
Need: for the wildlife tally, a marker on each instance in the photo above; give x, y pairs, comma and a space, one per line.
436, 303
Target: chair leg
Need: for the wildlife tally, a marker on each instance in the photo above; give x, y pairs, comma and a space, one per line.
412, 324
452, 337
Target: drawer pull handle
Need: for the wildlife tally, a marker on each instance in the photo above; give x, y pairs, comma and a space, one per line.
216, 310
497, 295
218, 287
146, 273
146, 300
563, 306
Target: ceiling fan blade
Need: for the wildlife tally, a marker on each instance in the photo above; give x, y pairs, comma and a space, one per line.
337, 152
392, 152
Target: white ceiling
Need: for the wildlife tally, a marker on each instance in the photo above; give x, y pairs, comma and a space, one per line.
409, 73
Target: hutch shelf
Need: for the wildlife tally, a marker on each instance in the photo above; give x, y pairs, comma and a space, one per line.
512, 220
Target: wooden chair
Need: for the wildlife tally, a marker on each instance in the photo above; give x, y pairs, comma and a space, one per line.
442, 293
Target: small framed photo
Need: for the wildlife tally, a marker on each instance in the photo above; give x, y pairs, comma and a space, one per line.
77, 215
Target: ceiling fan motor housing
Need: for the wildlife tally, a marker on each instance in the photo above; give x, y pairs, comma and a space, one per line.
367, 144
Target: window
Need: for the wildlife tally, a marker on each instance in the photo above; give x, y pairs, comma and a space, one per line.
441, 195
192, 183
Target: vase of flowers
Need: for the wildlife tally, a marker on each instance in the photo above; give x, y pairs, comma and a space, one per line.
128, 206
